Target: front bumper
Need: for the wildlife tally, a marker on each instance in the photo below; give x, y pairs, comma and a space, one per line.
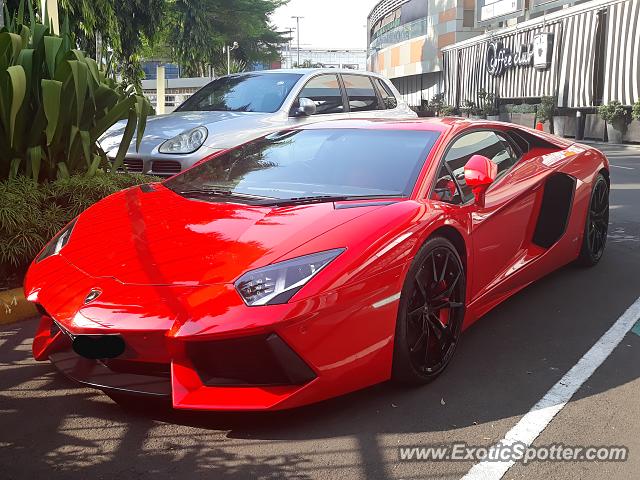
262, 373
197, 344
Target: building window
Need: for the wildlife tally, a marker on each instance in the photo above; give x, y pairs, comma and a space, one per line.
468, 18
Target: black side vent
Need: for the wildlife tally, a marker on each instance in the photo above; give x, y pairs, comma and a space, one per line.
556, 206
261, 360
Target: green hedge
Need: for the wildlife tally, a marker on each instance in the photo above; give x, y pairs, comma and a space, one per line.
31, 214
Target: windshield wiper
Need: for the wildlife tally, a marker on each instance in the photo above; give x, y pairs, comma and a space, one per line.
329, 198
219, 192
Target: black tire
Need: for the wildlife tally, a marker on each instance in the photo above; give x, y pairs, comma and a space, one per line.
430, 313
596, 225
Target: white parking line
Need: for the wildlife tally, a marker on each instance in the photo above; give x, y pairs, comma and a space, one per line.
537, 419
625, 168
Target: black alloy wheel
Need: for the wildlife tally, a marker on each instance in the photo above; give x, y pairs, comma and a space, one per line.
597, 224
431, 313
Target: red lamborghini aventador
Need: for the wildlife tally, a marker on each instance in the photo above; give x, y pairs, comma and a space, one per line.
313, 262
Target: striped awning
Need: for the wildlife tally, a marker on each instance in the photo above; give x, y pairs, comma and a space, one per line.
451, 78
591, 51
577, 61
622, 53
520, 82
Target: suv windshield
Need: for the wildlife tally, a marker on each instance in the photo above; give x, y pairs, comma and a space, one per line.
315, 163
251, 92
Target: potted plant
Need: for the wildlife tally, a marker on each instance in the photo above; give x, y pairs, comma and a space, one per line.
448, 111
545, 112
471, 110
436, 104
633, 129
616, 117
489, 110
425, 109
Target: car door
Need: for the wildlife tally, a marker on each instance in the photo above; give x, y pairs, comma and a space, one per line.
326, 92
362, 97
500, 227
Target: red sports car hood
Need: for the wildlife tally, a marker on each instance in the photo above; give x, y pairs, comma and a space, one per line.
161, 238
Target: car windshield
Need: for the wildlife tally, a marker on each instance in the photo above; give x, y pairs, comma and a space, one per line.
252, 92
315, 163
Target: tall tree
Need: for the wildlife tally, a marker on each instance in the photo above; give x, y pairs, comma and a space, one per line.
136, 19
122, 24
190, 32
198, 30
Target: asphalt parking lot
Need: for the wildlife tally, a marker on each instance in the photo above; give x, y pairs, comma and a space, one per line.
51, 428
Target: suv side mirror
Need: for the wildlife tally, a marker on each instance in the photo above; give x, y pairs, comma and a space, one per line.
306, 108
479, 173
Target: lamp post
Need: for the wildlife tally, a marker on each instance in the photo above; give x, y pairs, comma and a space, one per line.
1, 13
298, 33
227, 49
289, 54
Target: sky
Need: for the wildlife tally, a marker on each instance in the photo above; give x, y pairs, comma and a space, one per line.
327, 23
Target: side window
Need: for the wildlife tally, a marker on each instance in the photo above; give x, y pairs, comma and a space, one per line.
446, 189
506, 158
325, 91
362, 95
388, 98
491, 145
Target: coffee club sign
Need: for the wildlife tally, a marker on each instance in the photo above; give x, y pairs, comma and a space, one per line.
536, 54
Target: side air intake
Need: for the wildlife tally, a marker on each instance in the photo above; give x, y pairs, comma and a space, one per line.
557, 203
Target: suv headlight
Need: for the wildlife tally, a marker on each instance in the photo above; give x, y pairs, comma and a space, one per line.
186, 142
58, 242
276, 284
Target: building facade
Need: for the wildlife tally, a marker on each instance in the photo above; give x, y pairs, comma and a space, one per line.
354, 59
406, 37
582, 55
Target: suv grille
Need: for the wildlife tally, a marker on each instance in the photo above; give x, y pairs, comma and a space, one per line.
132, 165
166, 167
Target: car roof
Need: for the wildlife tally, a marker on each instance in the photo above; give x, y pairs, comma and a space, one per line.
435, 124
312, 71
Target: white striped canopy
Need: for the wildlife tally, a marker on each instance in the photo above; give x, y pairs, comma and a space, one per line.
622, 53
573, 71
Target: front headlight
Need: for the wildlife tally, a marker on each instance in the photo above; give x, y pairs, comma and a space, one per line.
276, 284
58, 242
186, 142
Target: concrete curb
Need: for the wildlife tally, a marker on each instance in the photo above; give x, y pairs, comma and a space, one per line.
14, 307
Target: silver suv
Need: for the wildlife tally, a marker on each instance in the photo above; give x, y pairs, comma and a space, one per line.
234, 109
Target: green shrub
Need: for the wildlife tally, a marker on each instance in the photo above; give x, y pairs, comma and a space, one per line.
469, 107
436, 104
520, 108
55, 103
448, 111
488, 103
613, 112
635, 112
31, 213
546, 109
